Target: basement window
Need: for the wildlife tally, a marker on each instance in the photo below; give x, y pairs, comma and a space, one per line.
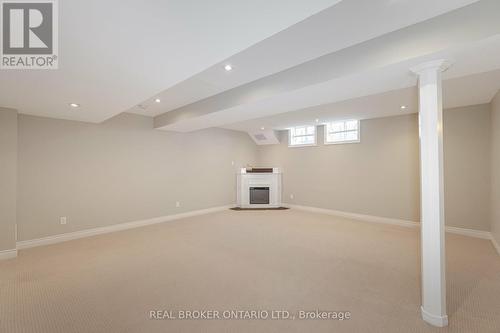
346, 131
302, 136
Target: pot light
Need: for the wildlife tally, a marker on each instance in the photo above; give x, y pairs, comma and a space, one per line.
228, 68
316, 120
74, 105
262, 128
157, 100
403, 107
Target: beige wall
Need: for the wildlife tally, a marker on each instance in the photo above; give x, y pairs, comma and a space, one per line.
120, 171
467, 162
8, 178
380, 175
495, 168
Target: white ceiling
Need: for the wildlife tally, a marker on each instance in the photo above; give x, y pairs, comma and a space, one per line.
115, 54
336, 28
483, 57
470, 37
325, 58
467, 90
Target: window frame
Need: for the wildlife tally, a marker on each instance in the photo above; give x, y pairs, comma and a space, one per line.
315, 135
325, 130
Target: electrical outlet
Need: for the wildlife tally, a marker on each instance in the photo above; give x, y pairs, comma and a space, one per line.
63, 219
177, 204
291, 196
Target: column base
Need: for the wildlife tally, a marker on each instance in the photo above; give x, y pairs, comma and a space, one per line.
439, 321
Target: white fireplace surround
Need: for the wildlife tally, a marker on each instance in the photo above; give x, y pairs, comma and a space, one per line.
247, 180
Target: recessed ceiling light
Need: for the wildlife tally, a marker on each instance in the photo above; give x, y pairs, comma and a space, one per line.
316, 120
74, 105
228, 68
403, 107
262, 128
157, 100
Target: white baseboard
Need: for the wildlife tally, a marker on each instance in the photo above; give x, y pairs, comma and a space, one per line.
469, 232
136, 224
8, 254
359, 217
400, 222
112, 228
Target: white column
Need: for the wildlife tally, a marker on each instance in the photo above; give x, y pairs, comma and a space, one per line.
432, 194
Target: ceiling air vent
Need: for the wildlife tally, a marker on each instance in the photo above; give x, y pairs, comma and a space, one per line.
259, 137
267, 137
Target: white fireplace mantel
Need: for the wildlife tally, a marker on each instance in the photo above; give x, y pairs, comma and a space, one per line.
245, 181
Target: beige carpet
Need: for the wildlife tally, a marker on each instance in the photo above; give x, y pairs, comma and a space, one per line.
245, 260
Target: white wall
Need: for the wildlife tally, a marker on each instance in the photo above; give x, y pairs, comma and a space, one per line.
120, 171
8, 178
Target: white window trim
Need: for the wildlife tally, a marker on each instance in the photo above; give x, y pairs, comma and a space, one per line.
325, 135
303, 145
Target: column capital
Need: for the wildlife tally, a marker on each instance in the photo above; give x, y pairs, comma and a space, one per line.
440, 65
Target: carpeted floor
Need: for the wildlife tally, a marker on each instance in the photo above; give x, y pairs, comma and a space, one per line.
245, 260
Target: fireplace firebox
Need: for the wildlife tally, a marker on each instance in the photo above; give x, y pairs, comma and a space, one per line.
259, 195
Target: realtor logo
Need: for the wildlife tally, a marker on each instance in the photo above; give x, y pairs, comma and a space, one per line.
29, 34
